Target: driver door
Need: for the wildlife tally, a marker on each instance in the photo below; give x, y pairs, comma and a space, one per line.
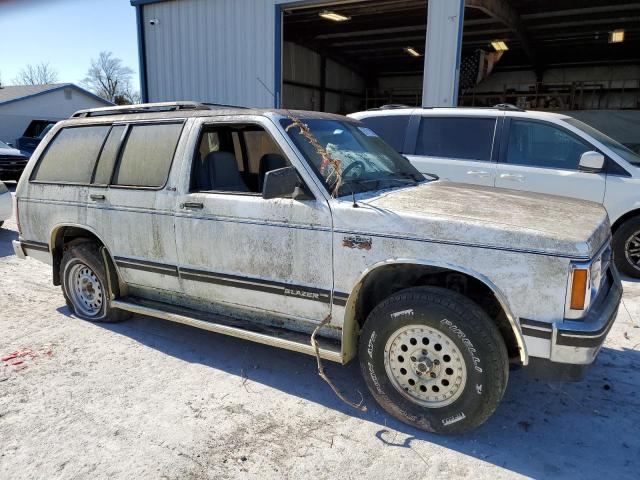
238, 251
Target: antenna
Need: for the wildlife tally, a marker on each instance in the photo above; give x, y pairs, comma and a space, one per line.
275, 99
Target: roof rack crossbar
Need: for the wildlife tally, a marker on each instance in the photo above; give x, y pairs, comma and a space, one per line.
508, 106
149, 108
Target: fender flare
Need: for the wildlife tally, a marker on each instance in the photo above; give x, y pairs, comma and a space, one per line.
52, 245
350, 329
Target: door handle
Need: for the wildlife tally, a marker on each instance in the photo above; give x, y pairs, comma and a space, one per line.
478, 173
514, 177
196, 205
97, 198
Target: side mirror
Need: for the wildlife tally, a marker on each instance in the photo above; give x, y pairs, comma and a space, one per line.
284, 182
591, 162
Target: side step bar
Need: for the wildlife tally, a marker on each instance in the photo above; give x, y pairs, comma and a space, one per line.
277, 337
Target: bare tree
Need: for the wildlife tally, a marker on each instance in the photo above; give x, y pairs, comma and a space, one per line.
110, 79
40, 74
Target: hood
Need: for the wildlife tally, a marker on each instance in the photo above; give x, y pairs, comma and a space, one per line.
495, 218
13, 152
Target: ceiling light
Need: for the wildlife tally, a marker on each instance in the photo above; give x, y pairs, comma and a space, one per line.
336, 17
617, 36
412, 51
499, 46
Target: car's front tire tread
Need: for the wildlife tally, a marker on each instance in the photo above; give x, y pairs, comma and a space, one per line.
476, 325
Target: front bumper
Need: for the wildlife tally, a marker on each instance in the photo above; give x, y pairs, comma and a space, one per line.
573, 345
17, 249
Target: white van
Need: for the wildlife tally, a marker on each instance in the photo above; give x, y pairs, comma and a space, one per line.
523, 150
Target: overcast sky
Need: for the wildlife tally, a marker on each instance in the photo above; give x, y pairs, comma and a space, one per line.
67, 34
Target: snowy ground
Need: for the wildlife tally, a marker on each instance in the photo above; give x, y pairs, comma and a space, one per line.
151, 399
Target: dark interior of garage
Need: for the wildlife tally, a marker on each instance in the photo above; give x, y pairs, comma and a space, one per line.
542, 54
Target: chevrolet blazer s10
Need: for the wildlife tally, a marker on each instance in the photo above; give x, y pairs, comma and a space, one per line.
269, 225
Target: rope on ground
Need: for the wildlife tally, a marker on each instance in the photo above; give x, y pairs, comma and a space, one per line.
314, 344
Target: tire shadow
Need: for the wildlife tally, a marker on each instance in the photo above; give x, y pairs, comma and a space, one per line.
541, 429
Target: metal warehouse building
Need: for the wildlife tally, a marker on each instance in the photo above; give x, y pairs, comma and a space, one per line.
343, 56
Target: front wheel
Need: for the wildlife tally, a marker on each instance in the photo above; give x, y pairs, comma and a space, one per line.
433, 359
626, 247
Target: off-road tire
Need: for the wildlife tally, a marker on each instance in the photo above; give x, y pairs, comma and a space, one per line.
470, 330
619, 245
88, 254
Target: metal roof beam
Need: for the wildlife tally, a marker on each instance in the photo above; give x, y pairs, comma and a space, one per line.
503, 12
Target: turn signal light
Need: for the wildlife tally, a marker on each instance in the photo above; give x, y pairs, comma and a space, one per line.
579, 288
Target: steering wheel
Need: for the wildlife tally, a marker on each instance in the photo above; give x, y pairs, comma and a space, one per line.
354, 164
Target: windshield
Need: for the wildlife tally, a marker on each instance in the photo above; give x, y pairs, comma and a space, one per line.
357, 159
626, 153
3, 145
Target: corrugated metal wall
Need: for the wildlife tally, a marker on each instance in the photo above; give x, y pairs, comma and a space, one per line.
216, 50
302, 66
211, 50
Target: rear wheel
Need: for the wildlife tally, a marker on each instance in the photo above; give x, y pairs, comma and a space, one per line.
626, 247
84, 284
434, 359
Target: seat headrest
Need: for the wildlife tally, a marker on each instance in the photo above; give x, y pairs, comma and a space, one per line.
225, 174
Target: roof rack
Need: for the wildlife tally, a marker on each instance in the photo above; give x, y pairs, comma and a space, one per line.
391, 106
149, 108
508, 106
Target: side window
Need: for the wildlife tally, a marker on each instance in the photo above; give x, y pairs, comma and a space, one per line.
543, 145
234, 158
147, 155
108, 156
71, 155
392, 129
465, 138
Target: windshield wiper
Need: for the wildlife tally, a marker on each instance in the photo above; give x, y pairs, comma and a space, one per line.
409, 176
378, 181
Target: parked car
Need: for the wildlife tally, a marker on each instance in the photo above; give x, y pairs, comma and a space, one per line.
5, 204
12, 162
269, 225
523, 150
33, 134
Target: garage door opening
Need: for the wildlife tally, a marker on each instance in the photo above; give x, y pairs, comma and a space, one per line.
351, 56
564, 55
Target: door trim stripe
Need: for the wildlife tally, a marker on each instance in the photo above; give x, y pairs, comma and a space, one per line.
236, 281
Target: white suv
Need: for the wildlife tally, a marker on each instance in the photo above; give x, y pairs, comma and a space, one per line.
523, 150
270, 225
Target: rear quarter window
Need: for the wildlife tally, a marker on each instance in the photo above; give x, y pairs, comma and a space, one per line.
147, 155
392, 129
71, 155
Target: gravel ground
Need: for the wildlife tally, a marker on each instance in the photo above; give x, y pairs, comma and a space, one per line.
151, 399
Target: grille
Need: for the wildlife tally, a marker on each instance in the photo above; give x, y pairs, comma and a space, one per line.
13, 162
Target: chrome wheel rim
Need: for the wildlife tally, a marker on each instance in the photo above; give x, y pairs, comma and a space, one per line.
425, 366
85, 290
632, 250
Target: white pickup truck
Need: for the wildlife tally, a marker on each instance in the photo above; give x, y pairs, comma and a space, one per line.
269, 225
